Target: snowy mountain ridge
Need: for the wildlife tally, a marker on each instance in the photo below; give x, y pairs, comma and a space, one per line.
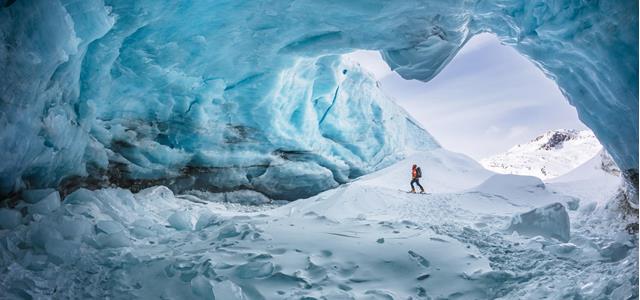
554, 153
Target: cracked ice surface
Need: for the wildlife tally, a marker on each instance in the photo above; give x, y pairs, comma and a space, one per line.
253, 94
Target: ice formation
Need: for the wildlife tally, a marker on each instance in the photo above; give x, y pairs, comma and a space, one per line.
254, 94
549, 221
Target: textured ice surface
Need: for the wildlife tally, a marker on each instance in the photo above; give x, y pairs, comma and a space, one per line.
253, 94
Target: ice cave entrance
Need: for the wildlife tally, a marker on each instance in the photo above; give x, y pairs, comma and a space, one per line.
486, 100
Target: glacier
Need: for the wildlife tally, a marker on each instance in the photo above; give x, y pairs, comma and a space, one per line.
150, 150
254, 95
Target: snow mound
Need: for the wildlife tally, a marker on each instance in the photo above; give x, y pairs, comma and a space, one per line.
549, 221
442, 171
507, 184
594, 181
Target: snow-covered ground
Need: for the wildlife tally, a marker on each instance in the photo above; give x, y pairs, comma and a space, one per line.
368, 239
552, 154
594, 181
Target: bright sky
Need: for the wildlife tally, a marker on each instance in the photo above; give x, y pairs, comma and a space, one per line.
488, 99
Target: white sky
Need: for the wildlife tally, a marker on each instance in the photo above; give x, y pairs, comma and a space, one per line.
488, 99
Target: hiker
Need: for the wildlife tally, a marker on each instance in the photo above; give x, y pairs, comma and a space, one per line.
416, 173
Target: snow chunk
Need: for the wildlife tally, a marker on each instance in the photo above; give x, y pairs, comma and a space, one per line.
161, 192
549, 221
180, 220
109, 227
143, 228
45, 206
564, 249
614, 251
74, 228
62, 250
111, 234
255, 269
244, 197
9, 218
34, 196
202, 287
206, 219
229, 290
115, 240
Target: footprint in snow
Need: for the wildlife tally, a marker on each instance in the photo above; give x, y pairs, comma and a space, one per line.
277, 251
419, 258
343, 235
438, 239
311, 213
326, 253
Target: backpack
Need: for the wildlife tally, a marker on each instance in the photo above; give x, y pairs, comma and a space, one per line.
418, 172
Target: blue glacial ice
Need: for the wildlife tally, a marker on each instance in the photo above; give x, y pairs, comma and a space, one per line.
227, 95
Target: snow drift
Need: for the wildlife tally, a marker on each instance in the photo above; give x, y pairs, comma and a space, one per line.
253, 92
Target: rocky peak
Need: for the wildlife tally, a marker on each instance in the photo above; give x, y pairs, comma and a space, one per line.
557, 138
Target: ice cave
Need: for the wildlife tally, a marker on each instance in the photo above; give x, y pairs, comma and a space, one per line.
122, 122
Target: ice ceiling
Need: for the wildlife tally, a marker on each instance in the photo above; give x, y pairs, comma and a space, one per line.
230, 95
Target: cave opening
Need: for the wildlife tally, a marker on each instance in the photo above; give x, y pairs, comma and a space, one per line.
116, 113
488, 100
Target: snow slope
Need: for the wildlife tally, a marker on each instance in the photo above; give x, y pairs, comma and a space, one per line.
595, 180
364, 240
550, 155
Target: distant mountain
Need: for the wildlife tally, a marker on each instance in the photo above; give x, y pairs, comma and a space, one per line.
550, 155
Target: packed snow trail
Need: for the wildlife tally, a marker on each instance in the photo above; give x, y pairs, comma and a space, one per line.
363, 240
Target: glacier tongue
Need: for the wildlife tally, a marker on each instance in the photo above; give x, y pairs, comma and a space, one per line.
244, 94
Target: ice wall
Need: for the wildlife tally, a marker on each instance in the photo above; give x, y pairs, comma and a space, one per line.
253, 94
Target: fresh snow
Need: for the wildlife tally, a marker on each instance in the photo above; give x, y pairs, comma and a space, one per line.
595, 180
367, 239
550, 155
